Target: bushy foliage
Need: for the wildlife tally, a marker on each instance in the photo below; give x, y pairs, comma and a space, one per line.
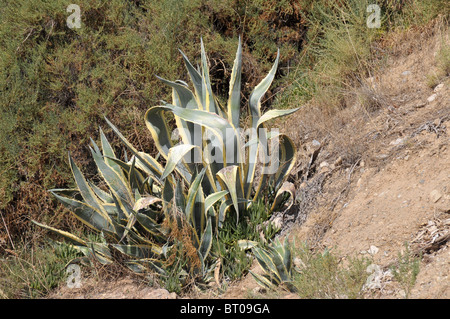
57, 83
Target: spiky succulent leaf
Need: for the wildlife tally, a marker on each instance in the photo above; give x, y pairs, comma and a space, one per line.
234, 94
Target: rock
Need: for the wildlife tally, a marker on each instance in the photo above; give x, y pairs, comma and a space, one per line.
420, 105
299, 263
324, 164
313, 147
338, 161
438, 87
382, 156
315, 144
405, 73
359, 182
259, 290
435, 195
371, 81
325, 169
277, 222
374, 280
397, 141
161, 294
431, 98
373, 250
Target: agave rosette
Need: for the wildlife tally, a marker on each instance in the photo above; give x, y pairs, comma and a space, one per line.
211, 137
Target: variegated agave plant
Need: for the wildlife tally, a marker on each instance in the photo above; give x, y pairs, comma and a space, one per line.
114, 213
212, 139
277, 263
142, 193
129, 216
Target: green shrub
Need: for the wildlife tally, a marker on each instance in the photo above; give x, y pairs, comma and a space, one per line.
57, 84
34, 271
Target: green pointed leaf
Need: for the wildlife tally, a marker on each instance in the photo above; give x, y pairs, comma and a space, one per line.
234, 95
109, 152
245, 244
255, 113
180, 200
153, 264
195, 76
281, 270
85, 190
145, 162
192, 196
175, 155
87, 214
259, 91
213, 198
103, 195
263, 281
273, 114
182, 96
230, 179
208, 100
115, 182
135, 251
266, 262
206, 241
70, 237
287, 160
151, 226
157, 125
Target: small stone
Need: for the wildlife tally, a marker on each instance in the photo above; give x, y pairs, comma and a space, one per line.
299, 263
438, 87
382, 156
420, 105
324, 164
405, 73
435, 195
431, 98
358, 183
397, 141
277, 222
325, 169
373, 250
161, 294
259, 290
315, 144
338, 161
